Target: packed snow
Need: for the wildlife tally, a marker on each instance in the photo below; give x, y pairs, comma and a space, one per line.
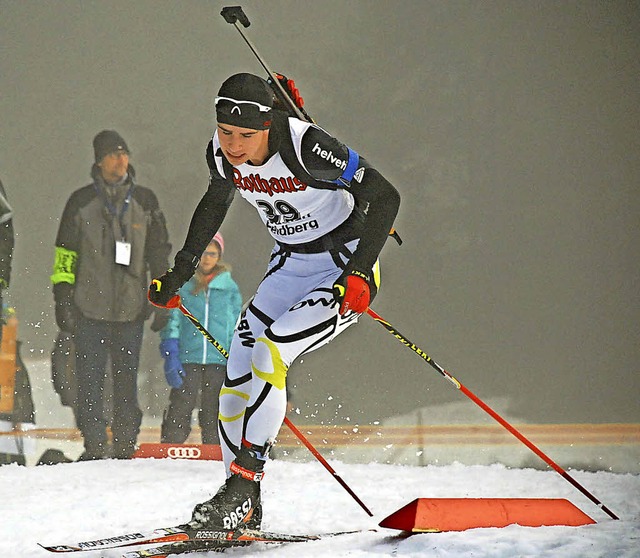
69, 502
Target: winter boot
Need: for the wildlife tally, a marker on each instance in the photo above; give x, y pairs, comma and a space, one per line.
123, 450
94, 450
237, 502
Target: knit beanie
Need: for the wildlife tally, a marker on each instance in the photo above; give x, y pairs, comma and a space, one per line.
220, 241
108, 141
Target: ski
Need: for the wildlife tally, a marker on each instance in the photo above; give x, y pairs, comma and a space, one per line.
231, 540
182, 533
217, 544
172, 549
165, 534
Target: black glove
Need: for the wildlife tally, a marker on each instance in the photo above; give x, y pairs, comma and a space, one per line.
354, 290
66, 310
160, 318
166, 287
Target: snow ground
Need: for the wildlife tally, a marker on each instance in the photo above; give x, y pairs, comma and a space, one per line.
67, 502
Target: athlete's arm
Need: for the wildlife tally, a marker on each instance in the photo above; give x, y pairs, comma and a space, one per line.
330, 161
211, 210
380, 201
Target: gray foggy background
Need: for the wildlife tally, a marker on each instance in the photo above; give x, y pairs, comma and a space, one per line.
511, 128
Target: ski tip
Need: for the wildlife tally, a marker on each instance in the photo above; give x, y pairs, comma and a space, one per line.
59, 548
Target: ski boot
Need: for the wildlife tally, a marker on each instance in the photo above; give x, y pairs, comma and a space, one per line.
237, 502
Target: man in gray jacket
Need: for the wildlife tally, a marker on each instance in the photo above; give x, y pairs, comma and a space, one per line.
112, 234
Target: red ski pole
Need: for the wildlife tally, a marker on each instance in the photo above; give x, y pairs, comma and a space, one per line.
490, 411
326, 465
175, 302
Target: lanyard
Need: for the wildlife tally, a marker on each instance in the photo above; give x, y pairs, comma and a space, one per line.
112, 210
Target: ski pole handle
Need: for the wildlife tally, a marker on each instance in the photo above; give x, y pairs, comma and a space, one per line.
231, 14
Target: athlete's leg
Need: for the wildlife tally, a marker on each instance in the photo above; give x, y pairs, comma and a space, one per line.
308, 325
236, 389
293, 312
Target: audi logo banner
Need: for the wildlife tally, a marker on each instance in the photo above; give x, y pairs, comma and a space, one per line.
183, 452
180, 451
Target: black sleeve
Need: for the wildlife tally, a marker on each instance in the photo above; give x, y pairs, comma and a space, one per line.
6, 238
157, 245
68, 231
324, 156
379, 201
210, 211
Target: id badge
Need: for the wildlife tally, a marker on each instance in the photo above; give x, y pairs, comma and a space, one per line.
123, 252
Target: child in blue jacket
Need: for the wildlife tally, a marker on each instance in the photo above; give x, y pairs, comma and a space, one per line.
192, 365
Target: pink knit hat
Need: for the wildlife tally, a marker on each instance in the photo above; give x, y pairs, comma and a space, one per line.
220, 241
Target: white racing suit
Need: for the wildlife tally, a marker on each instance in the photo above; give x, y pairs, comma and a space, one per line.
293, 312
328, 210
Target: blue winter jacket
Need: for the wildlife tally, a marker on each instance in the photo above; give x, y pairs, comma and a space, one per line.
217, 308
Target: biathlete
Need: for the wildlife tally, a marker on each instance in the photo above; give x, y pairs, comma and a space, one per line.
330, 213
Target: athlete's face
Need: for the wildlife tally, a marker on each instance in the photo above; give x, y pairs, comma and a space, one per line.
240, 145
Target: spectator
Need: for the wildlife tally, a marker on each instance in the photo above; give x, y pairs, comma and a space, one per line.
6, 244
192, 365
112, 234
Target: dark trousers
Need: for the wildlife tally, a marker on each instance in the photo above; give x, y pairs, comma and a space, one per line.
205, 380
95, 341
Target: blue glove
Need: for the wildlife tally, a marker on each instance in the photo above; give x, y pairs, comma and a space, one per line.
173, 369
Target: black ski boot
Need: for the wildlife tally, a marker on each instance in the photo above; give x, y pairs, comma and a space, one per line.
237, 502
255, 521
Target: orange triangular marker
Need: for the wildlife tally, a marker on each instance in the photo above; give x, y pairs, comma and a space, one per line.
459, 514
